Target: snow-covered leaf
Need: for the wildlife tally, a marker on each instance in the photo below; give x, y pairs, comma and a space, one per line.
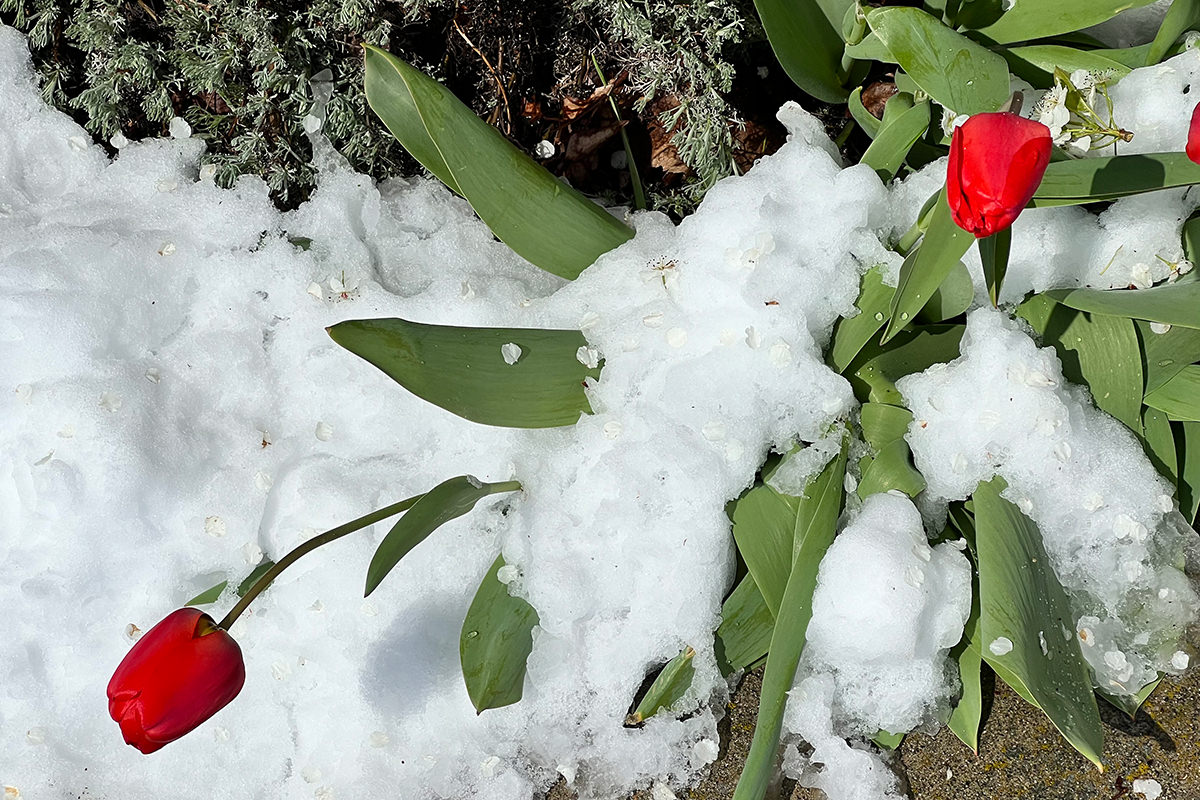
444, 502
955, 71
1130, 703
1026, 627
496, 640
545, 221
668, 688
463, 370
817, 524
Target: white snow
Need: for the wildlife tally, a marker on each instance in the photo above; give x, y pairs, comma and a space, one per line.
1003, 408
1147, 788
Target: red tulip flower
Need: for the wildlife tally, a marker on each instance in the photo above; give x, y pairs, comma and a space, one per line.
180, 673
996, 163
1193, 140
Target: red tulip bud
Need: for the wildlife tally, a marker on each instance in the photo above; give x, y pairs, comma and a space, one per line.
1193, 140
996, 163
180, 673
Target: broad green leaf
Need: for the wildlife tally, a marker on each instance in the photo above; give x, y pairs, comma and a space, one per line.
993, 254
1159, 442
865, 119
1179, 398
916, 352
209, 595
1097, 350
808, 44
1040, 19
764, 525
744, 634
895, 138
1088, 180
927, 266
495, 643
1182, 16
891, 469
1188, 441
1164, 354
967, 715
545, 221
817, 520
1130, 703
464, 371
1036, 63
883, 424
955, 71
851, 334
871, 48
1172, 303
444, 502
888, 740
952, 298
1021, 602
1132, 57
1191, 238
668, 688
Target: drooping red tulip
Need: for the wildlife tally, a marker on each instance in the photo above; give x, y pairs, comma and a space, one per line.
996, 163
180, 673
1193, 140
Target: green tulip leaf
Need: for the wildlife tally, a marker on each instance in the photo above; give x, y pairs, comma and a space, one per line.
993, 254
817, 515
883, 424
545, 221
1189, 469
927, 266
1040, 20
871, 48
887, 740
744, 634
465, 370
444, 502
764, 528
1165, 354
1130, 703
865, 119
895, 138
916, 351
1182, 16
1171, 304
956, 72
1097, 350
1179, 398
263, 566
1036, 63
496, 640
208, 596
967, 716
1159, 441
805, 37
1026, 626
891, 469
1089, 180
851, 334
952, 298
668, 688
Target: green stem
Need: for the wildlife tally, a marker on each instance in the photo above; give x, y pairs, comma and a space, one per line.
312, 544
909, 239
639, 193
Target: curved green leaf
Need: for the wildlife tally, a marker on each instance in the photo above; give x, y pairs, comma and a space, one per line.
1164, 354
464, 370
871, 48
764, 526
967, 715
1159, 442
865, 119
1179, 398
1036, 63
1130, 703
927, 266
895, 138
1023, 606
1182, 16
1088, 180
1041, 19
444, 502
1172, 304
851, 334
495, 643
817, 524
883, 424
668, 688
545, 221
808, 44
955, 71
1189, 469
744, 634
916, 352
891, 469
952, 298
208, 596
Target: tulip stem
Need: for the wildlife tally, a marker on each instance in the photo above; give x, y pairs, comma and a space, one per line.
312, 544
